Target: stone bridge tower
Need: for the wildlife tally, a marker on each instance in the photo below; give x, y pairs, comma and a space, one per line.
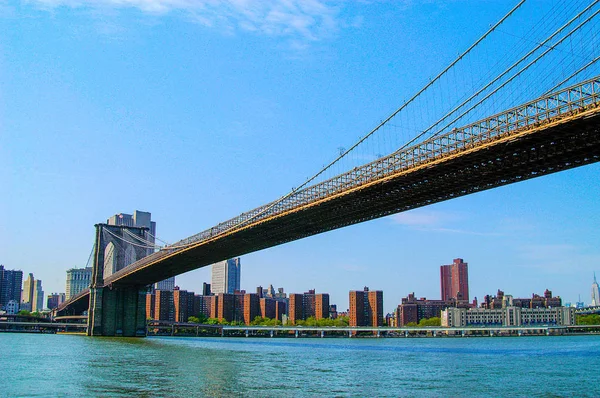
116, 310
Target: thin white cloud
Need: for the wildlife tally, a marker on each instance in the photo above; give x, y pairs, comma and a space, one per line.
436, 221
423, 218
309, 20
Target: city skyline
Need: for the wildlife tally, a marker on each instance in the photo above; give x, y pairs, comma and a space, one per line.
232, 130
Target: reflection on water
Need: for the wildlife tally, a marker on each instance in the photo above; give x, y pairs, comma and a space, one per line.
62, 365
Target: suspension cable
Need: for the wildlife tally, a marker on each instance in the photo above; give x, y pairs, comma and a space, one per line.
502, 75
344, 153
517, 74
126, 241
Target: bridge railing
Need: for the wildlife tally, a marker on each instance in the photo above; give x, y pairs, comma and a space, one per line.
531, 114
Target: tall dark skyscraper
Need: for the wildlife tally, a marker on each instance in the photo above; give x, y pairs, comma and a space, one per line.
454, 280
10, 286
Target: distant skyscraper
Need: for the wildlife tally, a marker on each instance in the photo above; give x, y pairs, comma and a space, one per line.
37, 304
206, 289
27, 296
78, 279
33, 295
226, 276
142, 219
454, 280
10, 286
595, 293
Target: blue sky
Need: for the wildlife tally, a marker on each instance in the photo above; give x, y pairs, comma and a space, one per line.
199, 110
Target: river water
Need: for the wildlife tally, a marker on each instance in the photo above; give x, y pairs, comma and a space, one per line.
79, 366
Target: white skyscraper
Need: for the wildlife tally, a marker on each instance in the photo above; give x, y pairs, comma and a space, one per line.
595, 293
78, 279
226, 276
142, 219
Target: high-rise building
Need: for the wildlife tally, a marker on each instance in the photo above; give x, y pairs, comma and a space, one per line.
306, 305
37, 303
78, 279
183, 305
296, 311
55, 299
27, 296
322, 306
366, 308
203, 305
225, 307
226, 276
454, 280
268, 308
10, 286
164, 309
206, 289
595, 293
142, 219
151, 306
251, 307
309, 304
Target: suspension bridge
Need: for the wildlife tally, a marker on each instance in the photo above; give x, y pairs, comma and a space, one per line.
459, 149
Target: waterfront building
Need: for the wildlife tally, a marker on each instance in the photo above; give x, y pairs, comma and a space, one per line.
164, 308
142, 219
150, 305
268, 308
10, 286
322, 306
183, 305
501, 300
203, 305
306, 305
595, 293
280, 310
55, 299
508, 316
226, 276
78, 279
251, 307
295, 308
413, 310
309, 304
225, 307
366, 308
238, 306
454, 280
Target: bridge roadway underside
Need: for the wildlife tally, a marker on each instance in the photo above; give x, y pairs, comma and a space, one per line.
558, 146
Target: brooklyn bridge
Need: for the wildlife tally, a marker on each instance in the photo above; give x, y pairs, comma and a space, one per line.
459, 153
